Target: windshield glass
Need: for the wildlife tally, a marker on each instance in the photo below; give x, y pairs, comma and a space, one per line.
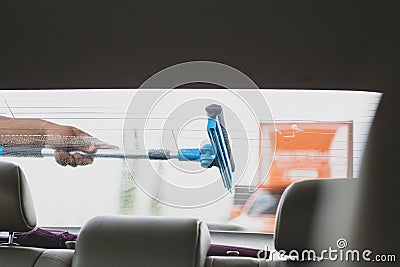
265, 203
276, 137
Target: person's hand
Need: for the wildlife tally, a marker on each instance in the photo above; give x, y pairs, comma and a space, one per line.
66, 140
61, 137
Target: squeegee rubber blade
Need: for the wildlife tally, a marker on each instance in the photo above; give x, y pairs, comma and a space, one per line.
224, 155
221, 152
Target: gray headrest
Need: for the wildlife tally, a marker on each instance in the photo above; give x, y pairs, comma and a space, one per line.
16, 205
314, 214
142, 241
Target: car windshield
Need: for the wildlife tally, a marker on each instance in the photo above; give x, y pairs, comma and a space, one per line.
265, 203
276, 137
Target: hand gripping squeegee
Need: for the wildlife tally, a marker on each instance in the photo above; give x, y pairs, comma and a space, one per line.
217, 153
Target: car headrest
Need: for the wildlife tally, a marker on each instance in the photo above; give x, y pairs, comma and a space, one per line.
315, 214
16, 205
142, 241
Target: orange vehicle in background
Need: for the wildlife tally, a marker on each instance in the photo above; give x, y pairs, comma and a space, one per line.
304, 150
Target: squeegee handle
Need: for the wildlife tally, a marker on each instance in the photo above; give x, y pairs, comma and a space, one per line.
25, 152
39, 152
214, 111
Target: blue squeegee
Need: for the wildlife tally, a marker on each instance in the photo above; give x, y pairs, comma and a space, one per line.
217, 153
220, 143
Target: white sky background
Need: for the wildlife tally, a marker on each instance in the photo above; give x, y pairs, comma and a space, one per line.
71, 196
